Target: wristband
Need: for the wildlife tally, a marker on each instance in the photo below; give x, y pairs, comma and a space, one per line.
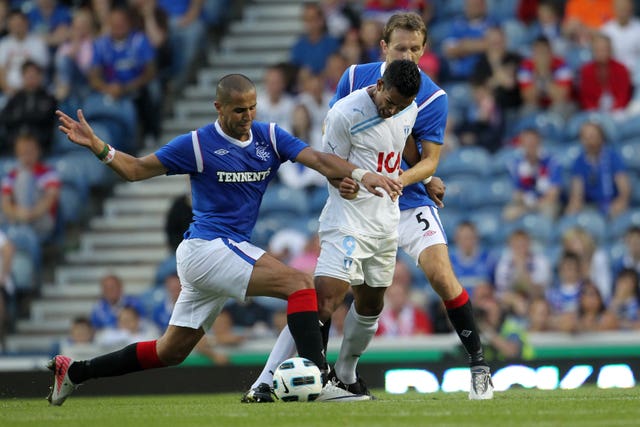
103, 154
427, 180
358, 173
111, 153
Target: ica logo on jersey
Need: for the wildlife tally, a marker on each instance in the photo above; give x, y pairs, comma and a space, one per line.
388, 162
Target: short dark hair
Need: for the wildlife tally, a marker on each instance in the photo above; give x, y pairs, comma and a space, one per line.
31, 64
233, 83
404, 75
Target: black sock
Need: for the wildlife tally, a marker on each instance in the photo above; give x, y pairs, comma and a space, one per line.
324, 330
465, 325
304, 327
119, 362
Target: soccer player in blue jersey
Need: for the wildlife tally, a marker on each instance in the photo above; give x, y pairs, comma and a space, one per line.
230, 163
420, 230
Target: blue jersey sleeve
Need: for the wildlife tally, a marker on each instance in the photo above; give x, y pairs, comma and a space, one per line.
432, 120
288, 146
178, 156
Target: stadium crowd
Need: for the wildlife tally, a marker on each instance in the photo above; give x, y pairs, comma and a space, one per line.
121, 61
541, 156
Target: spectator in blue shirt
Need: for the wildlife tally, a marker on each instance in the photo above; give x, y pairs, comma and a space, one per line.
50, 20
466, 41
186, 34
537, 179
105, 312
124, 68
162, 311
598, 177
313, 48
470, 262
564, 294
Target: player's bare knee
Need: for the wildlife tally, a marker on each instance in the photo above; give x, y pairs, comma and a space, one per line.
297, 280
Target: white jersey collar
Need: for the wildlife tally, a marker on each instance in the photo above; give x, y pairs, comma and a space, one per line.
232, 140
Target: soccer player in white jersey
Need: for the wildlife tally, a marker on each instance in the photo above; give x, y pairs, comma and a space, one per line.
369, 127
359, 236
230, 163
420, 231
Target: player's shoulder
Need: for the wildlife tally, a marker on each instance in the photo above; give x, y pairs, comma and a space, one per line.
354, 107
429, 92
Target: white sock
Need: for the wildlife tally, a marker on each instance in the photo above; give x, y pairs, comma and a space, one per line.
358, 332
284, 348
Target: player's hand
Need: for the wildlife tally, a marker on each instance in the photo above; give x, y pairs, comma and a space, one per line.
372, 181
78, 131
348, 188
436, 189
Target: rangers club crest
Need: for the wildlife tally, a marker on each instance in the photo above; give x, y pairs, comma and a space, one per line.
262, 153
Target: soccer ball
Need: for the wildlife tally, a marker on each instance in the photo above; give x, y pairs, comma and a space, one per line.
297, 380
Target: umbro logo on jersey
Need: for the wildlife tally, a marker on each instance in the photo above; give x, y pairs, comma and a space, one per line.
221, 152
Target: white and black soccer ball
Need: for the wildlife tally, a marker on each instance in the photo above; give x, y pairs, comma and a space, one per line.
297, 380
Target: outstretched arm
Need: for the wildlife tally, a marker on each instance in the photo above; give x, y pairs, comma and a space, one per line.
128, 167
333, 166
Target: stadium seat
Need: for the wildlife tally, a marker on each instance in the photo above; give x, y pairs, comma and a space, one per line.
317, 199
591, 221
449, 8
576, 57
166, 267
609, 127
459, 189
6, 164
539, 227
282, 199
549, 125
619, 225
492, 192
71, 174
118, 115
501, 159
629, 128
474, 162
70, 205
491, 227
450, 218
459, 96
630, 152
25, 239
23, 271
93, 173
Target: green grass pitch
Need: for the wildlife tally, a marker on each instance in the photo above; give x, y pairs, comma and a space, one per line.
587, 406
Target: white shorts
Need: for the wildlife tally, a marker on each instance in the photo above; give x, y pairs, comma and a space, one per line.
211, 272
357, 259
419, 229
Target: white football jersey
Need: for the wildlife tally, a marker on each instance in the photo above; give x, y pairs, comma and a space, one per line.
355, 132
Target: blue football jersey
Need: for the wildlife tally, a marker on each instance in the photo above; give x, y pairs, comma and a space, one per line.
430, 123
228, 176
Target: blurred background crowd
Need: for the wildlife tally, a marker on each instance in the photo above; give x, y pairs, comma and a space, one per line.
541, 157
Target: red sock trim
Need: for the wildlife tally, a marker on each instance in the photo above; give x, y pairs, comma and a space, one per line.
302, 300
147, 355
458, 301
